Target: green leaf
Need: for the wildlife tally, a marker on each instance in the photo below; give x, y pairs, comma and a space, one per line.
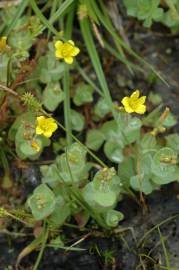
50, 174
101, 108
147, 10
152, 118
166, 179
113, 151
145, 165
72, 164
170, 121
99, 199
16, 16
60, 213
173, 141
113, 217
141, 183
131, 7
52, 96
42, 202
27, 149
77, 120
155, 98
164, 161
83, 94
126, 170
95, 139
106, 179
148, 144
131, 129
112, 132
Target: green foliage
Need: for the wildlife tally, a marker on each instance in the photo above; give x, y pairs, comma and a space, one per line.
95, 139
99, 195
48, 69
83, 94
77, 121
70, 167
152, 10
23, 133
115, 135
145, 10
52, 96
74, 185
101, 108
42, 202
102, 193
113, 217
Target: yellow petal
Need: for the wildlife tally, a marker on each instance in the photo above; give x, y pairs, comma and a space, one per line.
75, 51
71, 42
53, 127
47, 134
58, 54
68, 60
127, 107
125, 101
141, 100
38, 130
40, 119
141, 109
58, 44
135, 95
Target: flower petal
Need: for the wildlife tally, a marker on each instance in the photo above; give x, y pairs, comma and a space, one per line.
58, 54
127, 107
38, 130
71, 42
141, 109
125, 101
68, 60
40, 119
141, 100
75, 51
52, 126
58, 44
47, 134
135, 95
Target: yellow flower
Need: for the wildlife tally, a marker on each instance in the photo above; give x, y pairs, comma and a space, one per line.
66, 50
35, 145
3, 43
45, 126
134, 103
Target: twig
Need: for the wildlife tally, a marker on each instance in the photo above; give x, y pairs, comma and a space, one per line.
9, 90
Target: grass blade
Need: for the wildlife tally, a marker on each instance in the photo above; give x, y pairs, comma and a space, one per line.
120, 42
19, 12
43, 19
167, 260
88, 38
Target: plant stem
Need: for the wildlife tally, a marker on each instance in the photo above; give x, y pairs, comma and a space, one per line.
42, 248
66, 104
